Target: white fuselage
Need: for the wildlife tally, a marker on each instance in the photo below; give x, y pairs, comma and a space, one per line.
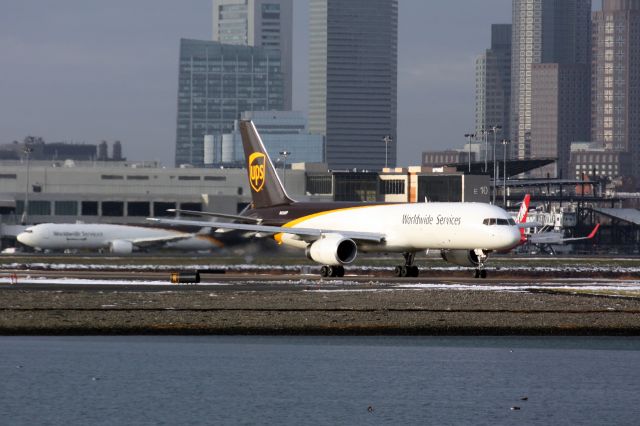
418, 226
81, 236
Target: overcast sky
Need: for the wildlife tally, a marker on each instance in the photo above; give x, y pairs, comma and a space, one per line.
88, 70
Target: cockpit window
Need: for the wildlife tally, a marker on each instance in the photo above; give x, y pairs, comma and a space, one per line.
512, 222
496, 221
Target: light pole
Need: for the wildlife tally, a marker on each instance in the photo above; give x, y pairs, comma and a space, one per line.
504, 173
495, 169
469, 136
485, 133
387, 139
25, 209
284, 155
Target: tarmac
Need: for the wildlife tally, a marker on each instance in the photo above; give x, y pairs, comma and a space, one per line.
45, 302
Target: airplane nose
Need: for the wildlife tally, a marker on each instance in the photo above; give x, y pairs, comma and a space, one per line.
514, 234
23, 238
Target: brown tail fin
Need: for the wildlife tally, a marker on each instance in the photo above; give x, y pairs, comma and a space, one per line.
266, 188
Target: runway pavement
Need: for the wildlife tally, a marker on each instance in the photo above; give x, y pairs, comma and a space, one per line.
242, 300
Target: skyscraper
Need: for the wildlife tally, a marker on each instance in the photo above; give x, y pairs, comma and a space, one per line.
560, 114
616, 78
493, 81
259, 23
353, 81
217, 82
544, 31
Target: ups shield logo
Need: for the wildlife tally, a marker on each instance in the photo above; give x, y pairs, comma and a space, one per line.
257, 171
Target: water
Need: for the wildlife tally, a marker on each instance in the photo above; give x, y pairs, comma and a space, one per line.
319, 380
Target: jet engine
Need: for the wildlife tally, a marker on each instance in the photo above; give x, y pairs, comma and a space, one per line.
463, 257
121, 247
332, 249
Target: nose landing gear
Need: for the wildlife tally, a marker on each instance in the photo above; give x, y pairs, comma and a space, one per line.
480, 273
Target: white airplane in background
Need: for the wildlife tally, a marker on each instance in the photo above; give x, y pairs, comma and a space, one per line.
545, 237
118, 239
332, 233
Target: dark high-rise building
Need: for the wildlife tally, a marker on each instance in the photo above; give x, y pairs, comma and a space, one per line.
260, 23
353, 81
559, 113
493, 81
616, 78
544, 31
103, 154
217, 82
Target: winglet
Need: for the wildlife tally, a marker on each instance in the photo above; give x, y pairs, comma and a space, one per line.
593, 233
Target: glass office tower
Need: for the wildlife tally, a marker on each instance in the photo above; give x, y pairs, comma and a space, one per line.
217, 82
353, 81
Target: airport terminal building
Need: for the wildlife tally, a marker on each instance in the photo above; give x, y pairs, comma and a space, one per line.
129, 192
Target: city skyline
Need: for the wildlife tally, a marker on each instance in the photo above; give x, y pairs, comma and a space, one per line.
87, 72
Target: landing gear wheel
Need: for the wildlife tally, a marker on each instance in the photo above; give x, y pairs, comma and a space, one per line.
408, 269
480, 273
397, 271
332, 271
413, 271
324, 271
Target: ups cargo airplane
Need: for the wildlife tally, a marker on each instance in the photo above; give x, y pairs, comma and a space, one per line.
332, 233
117, 239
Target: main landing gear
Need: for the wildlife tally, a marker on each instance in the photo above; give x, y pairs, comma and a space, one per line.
332, 271
408, 269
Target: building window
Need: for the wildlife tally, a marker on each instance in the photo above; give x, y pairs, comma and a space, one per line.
39, 208
89, 208
160, 208
188, 177
8, 176
112, 177
138, 208
113, 208
393, 186
137, 177
318, 184
191, 206
65, 208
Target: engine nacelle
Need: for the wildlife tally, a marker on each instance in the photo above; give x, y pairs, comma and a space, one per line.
332, 249
121, 247
462, 257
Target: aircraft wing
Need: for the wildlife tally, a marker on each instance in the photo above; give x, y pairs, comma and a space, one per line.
588, 237
220, 215
306, 234
158, 241
556, 237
